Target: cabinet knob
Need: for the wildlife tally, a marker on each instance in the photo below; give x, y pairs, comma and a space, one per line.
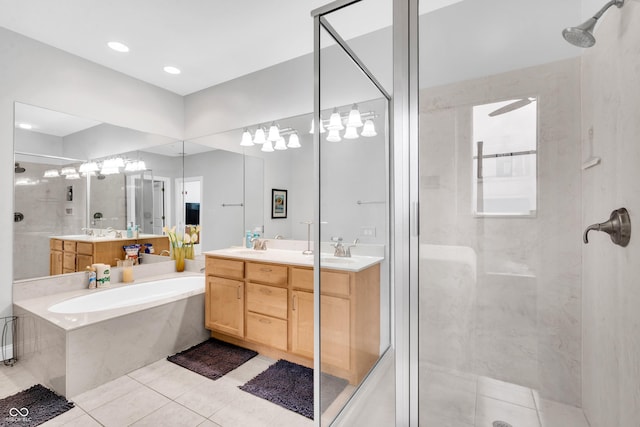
293, 303
238, 291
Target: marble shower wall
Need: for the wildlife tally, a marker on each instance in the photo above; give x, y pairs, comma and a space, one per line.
611, 300
46, 213
501, 297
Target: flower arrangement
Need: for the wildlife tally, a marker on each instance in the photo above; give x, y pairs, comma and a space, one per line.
182, 245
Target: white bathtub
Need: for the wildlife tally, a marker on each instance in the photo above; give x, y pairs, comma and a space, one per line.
76, 341
130, 295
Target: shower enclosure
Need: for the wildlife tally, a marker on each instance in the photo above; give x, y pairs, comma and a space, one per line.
523, 143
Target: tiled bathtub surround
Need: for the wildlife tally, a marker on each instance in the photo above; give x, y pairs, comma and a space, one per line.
505, 302
74, 353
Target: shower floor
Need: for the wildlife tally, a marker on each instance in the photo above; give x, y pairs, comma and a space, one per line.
456, 399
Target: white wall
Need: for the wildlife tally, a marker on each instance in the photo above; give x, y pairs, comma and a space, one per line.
37, 74
611, 303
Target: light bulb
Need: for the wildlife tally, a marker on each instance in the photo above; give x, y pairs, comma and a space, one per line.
142, 166
68, 171
335, 121
351, 133
280, 145
130, 167
322, 129
334, 136
88, 167
354, 121
51, 173
259, 137
246, 139
75, 175
294, 141
274, 133
369, 129
267, 147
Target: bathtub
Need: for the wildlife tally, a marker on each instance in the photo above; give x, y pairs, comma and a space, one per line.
130, 295
76, 341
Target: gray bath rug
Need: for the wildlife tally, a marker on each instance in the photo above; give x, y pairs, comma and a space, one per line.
291, 386
32, 407
212, 358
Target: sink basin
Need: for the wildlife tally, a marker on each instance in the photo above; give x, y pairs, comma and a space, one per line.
337, 260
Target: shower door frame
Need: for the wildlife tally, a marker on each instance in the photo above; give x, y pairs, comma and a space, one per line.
404, 207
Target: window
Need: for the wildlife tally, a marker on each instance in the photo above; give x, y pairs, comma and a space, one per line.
504, 158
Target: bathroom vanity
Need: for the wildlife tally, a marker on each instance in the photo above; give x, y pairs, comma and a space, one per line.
73, 253
263, 300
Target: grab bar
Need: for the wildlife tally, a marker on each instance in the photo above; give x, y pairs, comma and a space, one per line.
225, 205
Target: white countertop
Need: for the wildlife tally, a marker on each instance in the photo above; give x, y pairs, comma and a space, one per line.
86, 238
282, 256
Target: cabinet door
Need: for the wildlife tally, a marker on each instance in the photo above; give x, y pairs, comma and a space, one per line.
335, 333
302, 323
224, 306
83, 261
55, 263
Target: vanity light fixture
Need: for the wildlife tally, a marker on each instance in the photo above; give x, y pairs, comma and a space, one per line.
335, 121
354, 120
274, 133
259, 137
322, 129
280, 144
51, 173
334, 136
172, 70
73, 176
267, 147
351, 133
246, 139
88, 167
294, 141
25, 126
118, 47
369, 129
135, 166
68, 171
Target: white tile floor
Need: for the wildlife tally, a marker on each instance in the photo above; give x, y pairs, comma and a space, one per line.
455, 399
165, 394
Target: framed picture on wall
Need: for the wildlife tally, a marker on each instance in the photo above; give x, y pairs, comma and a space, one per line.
278, 203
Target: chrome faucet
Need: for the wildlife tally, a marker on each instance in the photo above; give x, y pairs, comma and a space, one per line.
355, 243
87, 231
340, 250
259, 244
279, 237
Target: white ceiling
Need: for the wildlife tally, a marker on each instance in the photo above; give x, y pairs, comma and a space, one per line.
210, 41
51, 122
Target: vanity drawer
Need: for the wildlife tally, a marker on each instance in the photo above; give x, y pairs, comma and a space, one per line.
302, 278
267, 273
84, 248
55, 244
225, 268
267, 300
69, 246
69, 261
333, 282
267, 330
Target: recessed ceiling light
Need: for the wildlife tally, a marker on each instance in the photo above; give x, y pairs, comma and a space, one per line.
26, 126
118, 47
171, 70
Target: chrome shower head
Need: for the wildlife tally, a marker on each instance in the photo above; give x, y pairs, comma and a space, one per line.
18, 168
582, 35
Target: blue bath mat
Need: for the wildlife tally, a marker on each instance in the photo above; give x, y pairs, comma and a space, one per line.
291, 386
212, 358
32, 407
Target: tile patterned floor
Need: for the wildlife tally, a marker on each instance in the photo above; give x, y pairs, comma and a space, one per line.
455, 399
165, 394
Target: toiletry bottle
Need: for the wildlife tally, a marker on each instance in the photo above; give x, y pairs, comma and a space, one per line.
92, 277
136, 231
247, 239
130, 230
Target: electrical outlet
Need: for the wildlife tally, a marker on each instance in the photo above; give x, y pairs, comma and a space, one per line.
368, 231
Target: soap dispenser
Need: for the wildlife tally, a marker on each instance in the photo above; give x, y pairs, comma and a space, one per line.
130, 231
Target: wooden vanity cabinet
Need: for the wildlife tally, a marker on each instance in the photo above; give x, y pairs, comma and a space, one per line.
69, 256
274, 304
